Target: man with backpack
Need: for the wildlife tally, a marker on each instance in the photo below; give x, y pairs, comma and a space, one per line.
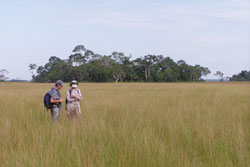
55, 101
73, 101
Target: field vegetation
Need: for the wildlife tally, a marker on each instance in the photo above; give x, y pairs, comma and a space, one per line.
128, 124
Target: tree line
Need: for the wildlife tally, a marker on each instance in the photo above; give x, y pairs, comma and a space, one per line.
242, 76
86, 66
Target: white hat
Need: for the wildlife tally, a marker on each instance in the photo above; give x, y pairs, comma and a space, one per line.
74, 82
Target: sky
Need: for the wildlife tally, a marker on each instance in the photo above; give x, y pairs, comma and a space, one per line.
211, 33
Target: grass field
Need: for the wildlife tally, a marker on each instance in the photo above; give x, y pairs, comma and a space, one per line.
128, 124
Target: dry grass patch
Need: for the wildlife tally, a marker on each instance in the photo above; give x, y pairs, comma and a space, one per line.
129, 124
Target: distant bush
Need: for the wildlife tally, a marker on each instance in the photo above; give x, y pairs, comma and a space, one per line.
242, 76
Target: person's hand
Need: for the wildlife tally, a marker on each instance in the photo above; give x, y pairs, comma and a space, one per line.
75, 96
61, 100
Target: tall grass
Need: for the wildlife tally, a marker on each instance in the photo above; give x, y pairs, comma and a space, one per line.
129, 124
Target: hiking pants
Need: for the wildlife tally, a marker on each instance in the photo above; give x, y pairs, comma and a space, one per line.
55, 113
73, 110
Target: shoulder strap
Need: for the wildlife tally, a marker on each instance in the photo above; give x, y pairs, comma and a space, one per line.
70, 92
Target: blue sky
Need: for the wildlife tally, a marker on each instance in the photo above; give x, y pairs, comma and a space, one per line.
214, 34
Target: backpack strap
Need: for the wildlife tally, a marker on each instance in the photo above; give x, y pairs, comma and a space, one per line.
70, 91
66, 101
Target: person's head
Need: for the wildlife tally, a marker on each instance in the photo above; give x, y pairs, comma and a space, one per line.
74, 84
59, 84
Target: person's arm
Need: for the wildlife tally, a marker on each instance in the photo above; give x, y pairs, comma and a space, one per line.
55, 101
79, 96
54, 97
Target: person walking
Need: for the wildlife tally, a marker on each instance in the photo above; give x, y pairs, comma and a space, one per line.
56, 101
73, 101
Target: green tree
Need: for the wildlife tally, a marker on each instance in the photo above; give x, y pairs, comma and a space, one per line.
197, 72
32, 68
76, 59
85, 65
169, 70
185, 71
244, 75
79, 49
80, 56
122, 67
117, 72
220, 75
147, 62
3, 74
